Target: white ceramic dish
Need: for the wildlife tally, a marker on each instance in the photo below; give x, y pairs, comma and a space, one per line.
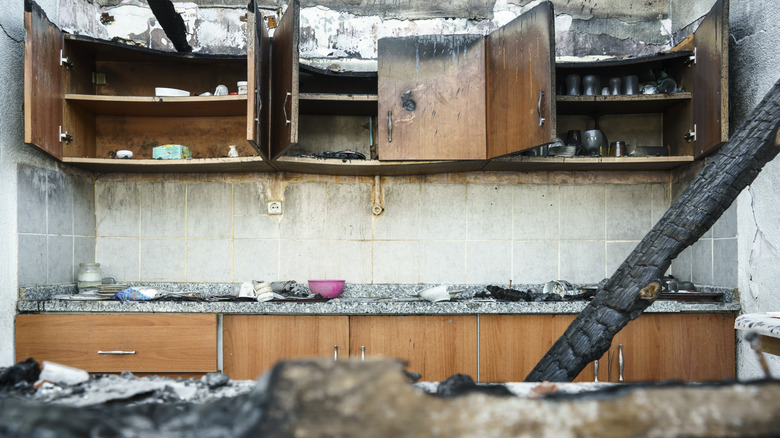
170, 92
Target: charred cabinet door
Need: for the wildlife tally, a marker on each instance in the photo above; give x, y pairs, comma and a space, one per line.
258, 95
284, 82
43, 90
520, 83
710, 80
431, 98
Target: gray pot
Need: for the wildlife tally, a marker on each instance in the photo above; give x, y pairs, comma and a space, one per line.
594, 141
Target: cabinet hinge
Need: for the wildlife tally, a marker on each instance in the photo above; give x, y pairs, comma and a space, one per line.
98, 78
691, 135
65, 61
65, 136
692, 59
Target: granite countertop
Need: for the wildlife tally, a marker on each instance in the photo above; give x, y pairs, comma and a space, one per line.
357, 299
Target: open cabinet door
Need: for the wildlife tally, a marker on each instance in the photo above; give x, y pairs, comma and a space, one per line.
521, 83
284, 82
43, 90
258, 93
710, 80
431, 98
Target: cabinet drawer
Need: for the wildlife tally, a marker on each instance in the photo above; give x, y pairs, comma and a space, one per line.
95, 343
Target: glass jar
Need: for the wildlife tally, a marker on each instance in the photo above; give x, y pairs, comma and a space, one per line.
89, 275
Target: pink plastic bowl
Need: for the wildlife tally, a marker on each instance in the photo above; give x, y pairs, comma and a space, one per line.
326, 288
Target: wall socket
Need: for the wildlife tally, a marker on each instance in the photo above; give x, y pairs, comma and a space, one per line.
274, 207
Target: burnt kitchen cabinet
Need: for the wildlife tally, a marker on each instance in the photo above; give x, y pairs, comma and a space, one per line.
687, 347
435, 346
511, 345
86, 98
468, 97
141, 343
252, 344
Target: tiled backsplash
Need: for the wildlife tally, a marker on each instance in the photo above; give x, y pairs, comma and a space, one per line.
56, 218
462, 228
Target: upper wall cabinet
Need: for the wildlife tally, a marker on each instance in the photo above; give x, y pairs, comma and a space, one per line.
85, 99
468, 97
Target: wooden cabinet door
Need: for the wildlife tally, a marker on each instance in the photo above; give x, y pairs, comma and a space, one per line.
284, 81
433, 345
521, 83
143, 343
431, 98
258, 93
710, 80
43, 89
511, 345
688, 347
252, 344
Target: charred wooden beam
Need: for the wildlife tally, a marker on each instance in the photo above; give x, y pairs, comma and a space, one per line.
172, 24
633, 287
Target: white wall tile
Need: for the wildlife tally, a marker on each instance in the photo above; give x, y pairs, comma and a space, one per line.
724, 259
118, 258
443, 212
59, 204
617, 253
726, 226
83, 206
582, 261
209, 260
304, 211
582, 212
163, 260
396, 261
83, 251
401, 218
442, 261
536, 212
210, 210
163, 209
661, 194
701, 262
33, 252
534, 261
488, 262
348, 260
32, 183
60, 259
629, 211
301, 260
117, 210
681, 266
255, 259
489, 212
250, 213
349, 214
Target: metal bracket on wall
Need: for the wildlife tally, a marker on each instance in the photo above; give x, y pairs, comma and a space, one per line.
691, 135
65, 61
65, 136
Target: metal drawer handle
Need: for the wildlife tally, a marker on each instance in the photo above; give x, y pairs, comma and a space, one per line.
362, 352
284, 108
335, 352
539, 107
596, 365
390, 126
116, 352
620, 362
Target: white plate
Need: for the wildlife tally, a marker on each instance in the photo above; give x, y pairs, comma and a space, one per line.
170, 92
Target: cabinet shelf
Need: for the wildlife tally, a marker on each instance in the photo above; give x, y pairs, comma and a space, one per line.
373, 167
195, 165
623, 104
338, 104
158, 106
587, 163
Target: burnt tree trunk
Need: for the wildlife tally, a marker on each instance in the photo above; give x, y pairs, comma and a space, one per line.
635, 284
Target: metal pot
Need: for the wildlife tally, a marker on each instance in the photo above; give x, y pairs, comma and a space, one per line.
594, 142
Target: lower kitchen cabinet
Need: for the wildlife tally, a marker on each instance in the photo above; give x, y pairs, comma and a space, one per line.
511, 345
673, 346
252, 344
141, 343
435, 346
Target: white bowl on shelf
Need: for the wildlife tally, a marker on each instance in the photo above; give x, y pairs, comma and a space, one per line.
170, 92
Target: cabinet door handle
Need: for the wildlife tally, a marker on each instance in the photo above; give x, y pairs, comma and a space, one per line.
539, 107
116, 352
620, 362
362, 352
335, 352
284, 108
596, 374
390, 126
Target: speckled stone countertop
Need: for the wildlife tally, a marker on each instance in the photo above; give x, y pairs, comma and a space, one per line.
357, 299
761, 323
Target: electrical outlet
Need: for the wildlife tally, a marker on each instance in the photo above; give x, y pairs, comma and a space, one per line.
274, 207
